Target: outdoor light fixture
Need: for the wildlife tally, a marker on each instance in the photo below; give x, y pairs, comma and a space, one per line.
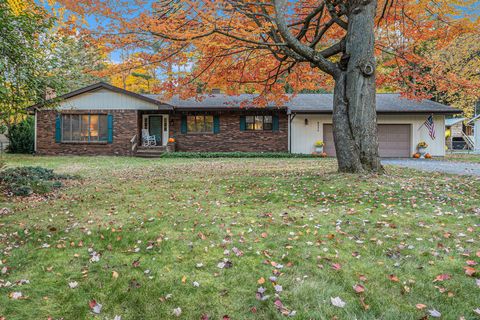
306, 121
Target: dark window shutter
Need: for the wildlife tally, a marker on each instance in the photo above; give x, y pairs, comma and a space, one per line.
275, 125
110, 128
58, 128
243, 123
216, 124
183, 127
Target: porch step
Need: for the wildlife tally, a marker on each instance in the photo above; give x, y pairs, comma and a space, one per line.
150, 152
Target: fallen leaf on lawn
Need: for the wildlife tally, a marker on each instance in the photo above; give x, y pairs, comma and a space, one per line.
261, 280
477, 311
364, 305
16, 295
362, 278
184, 279
134, 284
469, 271
336, 266
117, 318
442, 277
177, 312
95, 257
393, 277
264, 234
278, 304
225, 317
114, 274
136, 263
337, 302
225, 264
477, 281
434, 313
73, 284
260, 294
204, 317
471, 263
95, 306
358, 288
420, 306
237, 252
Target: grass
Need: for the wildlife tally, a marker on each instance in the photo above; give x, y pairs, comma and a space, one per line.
474, 158
180, 217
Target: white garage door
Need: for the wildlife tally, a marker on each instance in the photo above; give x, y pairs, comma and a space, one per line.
393, 140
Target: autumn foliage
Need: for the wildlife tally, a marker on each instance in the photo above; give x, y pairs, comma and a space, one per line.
424, 48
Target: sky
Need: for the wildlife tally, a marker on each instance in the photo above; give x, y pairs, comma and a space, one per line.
116, 56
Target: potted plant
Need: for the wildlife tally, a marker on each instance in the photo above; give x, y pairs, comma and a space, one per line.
319, 146
422, 148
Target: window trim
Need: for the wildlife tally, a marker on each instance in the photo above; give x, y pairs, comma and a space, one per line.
80, 127
263, 123
204, 115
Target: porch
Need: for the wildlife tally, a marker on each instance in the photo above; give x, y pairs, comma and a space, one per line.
151, 138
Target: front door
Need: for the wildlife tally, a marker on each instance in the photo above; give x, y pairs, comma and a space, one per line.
155, 128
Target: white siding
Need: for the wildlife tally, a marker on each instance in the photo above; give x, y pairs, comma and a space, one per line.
476, 133
304, 136
103, 99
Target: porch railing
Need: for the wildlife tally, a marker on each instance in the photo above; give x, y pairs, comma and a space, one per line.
469, 141
134, 144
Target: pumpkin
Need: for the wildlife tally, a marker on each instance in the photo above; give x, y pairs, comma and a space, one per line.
428, 156
171, 140
416, 155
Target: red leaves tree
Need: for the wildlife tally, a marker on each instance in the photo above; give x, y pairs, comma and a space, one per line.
265, 45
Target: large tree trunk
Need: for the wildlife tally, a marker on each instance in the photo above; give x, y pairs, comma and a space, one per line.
354, 116
348, 155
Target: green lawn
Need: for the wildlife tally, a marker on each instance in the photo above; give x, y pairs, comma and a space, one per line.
162, 226
475, 158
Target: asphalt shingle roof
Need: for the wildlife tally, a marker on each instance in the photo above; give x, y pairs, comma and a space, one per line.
309, 103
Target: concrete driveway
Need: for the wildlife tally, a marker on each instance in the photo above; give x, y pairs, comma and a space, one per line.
460, 168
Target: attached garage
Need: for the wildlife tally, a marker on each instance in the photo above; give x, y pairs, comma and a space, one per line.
400, 124
394, 140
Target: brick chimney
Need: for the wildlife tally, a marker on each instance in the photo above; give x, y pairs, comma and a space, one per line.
50, 93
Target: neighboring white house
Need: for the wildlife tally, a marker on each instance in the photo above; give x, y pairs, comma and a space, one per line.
476, 133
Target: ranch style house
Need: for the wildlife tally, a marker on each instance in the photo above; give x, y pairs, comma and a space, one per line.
105, 120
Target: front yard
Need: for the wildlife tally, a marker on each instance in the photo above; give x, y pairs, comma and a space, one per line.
239, 239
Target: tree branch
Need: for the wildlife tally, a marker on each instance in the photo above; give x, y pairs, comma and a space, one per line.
305, 51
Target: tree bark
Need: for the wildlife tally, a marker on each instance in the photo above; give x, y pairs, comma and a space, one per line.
348, 156
355, 116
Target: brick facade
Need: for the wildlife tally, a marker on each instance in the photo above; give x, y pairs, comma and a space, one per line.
127, 123
125, 126
231, 138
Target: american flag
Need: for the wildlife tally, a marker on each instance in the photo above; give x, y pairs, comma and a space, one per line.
430, 126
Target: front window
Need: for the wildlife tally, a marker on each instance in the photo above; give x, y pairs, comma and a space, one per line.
259, 123
84, 127
200, 124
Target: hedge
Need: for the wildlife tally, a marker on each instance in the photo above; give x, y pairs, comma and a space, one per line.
235, 155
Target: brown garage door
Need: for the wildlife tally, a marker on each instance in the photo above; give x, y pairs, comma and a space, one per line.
393, 140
